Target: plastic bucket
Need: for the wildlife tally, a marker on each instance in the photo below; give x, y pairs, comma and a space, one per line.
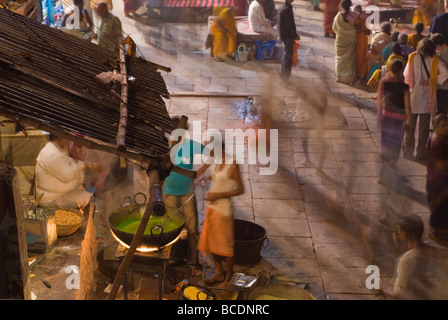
250, 238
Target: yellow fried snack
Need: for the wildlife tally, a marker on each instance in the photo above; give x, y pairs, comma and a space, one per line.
194, 293
269, 297
64, 217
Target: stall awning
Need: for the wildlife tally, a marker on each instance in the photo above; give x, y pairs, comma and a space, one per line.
48, 80
197, 3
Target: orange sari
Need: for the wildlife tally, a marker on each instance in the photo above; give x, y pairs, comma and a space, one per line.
361, 47
217, 234
224, 43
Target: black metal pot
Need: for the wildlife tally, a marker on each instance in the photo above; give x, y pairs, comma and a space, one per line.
158, 237
250, 239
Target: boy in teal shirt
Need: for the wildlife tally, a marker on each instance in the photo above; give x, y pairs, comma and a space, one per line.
178, 191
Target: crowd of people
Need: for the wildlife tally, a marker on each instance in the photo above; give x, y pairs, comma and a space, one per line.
411, 81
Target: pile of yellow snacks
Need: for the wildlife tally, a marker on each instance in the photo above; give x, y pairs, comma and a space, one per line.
64, 217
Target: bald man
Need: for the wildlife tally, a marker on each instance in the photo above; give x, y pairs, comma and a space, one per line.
110, 30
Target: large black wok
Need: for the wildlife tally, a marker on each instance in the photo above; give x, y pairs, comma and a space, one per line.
161, 230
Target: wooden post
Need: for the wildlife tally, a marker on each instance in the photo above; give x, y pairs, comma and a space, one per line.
14, 274
121, 136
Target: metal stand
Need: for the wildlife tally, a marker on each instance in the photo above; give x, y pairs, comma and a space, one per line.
143, 262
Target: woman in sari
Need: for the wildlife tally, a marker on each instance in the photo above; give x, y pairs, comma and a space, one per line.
224, 31
415, 37
426, 10
217, 234
379, 42
386, 69
331, 9
393, 105
361, 43
437, 179
344, 26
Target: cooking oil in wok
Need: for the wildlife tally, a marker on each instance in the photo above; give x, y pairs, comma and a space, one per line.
131, 226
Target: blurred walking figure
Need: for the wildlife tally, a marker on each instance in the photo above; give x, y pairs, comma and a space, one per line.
217, 235
437, 179
394, 108
288, 34
413, 266
331, 9
224, 31
130, 6
425, 11
346, 38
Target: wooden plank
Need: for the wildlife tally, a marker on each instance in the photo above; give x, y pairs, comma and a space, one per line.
14, 262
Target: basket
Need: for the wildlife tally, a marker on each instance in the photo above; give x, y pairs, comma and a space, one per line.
64, 230
242, 52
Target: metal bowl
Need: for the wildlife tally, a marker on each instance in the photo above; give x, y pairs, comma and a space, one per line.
156, 235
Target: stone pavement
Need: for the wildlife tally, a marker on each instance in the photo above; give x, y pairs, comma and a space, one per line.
324, 227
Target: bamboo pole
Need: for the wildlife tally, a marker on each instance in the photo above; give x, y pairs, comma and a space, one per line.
121, 136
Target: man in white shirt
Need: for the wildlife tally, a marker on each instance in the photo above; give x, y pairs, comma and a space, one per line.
59, 178
415, 266
258, 21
